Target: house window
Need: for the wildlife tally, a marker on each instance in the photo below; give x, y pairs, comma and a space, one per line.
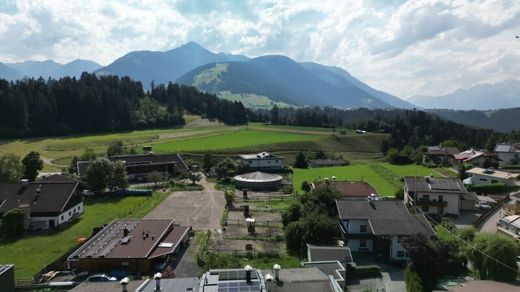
426, 197
400, 254
363, 243
363, 228
441, 198
62, 217
494, 181
70, 213
483, 179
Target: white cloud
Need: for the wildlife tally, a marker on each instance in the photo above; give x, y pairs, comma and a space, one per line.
403, 47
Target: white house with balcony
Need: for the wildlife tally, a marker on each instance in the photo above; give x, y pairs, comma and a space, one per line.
508, 153
379, 226
262, 161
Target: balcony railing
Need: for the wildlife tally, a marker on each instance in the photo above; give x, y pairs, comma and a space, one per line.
434, 203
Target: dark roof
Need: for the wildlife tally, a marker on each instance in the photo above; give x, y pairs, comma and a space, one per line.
431, 184
144, 159
108, 243
436, 150
108, 286
317, 253
385, 217
326, 162
44, 198
300, 280
351, 188
57, 178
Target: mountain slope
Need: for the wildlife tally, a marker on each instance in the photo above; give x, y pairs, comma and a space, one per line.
162, 67
502, 120
50, 69
9, 73
504, 94
342, 78
280, 79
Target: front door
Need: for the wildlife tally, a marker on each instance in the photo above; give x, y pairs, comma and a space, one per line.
51, 224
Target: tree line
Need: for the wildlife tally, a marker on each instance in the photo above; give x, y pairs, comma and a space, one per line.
38, 107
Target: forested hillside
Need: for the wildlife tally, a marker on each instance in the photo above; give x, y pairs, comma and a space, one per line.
501, 120
412, 128
37, 107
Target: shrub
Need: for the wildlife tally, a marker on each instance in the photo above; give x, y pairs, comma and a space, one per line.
413, 281
489, 189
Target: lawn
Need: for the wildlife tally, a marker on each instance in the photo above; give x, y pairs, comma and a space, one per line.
384, 185
44, 249
235, 140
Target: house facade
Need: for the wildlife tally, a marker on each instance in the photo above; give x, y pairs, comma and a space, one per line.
486, 176
380, 226
437, 155
439, 196
476, 158
262, 161
46, 205
510, 226
509, 154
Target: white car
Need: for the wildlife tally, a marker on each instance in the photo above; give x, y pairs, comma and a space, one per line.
483, 206
87, 193
101, 278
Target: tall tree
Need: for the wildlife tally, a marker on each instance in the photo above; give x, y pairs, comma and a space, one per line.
32, 164
118, 176
116, 148
99, 174
301, 161
11, 169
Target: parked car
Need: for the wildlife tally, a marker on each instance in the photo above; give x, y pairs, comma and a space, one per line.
87, 193
100, 278
483, 206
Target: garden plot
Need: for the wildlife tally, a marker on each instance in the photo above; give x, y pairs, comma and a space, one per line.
237, 217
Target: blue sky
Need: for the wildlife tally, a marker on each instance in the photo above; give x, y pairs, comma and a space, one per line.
402, 47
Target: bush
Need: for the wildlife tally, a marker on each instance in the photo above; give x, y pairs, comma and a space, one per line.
413, 281
367, 271
488, 189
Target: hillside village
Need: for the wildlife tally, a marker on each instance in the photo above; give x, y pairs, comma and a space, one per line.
243, 220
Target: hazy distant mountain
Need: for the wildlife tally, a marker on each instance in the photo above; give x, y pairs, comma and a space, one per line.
502, 120
54, 70
9, 73
339, 77
500, 95
280, 79
161, 67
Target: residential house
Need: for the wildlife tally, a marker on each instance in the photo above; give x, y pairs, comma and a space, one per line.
46, 205
130, 245
352, 190
440, 196
138, 167
313, 163
510, 226
143, 285
476, 158
436, 155
509, 154
486, 176
262, 161
7, 278
379, 226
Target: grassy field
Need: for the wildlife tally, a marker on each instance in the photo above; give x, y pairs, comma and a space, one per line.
384, 185
236, 140
45, 249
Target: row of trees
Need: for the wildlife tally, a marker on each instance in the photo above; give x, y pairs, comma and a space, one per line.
492, 257
12, 169
103, 103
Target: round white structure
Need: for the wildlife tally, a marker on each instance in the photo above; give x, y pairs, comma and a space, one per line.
258, 181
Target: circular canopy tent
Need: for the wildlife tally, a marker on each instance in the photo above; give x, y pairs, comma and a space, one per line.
258, 181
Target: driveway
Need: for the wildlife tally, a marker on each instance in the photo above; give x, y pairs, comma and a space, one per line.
199, 209
392, 279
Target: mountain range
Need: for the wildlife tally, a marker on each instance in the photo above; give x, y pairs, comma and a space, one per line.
46, 69
505, 94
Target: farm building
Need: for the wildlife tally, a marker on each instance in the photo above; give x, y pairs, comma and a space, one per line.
436, 155
139, 166
325, 163
262, 161
130, 245
258, 181
350, 189
378, 226
508, 153
46, 205
439, 196
486, 176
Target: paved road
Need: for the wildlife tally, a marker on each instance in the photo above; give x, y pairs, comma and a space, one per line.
200, 209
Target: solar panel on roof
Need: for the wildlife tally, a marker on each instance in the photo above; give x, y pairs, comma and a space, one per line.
503, 148
444, 185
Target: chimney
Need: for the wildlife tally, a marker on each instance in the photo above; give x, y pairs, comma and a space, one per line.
248, 269
124, 282
157, 278
276, 269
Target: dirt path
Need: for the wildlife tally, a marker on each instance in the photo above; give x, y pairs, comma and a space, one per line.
199, 209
